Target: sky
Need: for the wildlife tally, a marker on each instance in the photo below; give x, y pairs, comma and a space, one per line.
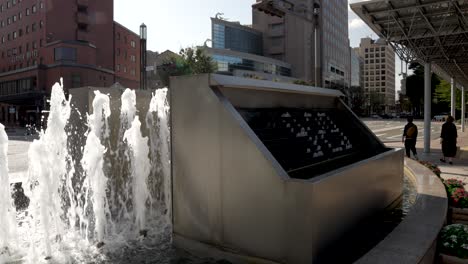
176, 24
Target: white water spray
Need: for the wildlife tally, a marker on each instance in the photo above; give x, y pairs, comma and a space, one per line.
70, 205
48, 158
93, 162
140, 168
7, 211
158, 122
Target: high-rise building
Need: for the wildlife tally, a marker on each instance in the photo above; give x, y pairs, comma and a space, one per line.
41, 41
311, 35
335, 44
379, 73
356, 68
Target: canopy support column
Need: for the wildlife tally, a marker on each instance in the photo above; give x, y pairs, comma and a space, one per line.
427, 107
452, 98
463, 109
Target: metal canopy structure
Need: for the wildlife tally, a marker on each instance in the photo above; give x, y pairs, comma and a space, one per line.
434, 31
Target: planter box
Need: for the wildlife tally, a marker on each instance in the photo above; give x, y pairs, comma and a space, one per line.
458, 215
446, 259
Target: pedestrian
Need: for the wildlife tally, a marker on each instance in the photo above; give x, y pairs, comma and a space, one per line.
448, 139
410, 134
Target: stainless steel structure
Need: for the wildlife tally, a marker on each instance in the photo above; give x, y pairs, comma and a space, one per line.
231, 195
432, 32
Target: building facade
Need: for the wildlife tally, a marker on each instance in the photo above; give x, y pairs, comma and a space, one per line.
42, 41
234, 36
379, 74
312, 36
236, 50
356, 68
248, 65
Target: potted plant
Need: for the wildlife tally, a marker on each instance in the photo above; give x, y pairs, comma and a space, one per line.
458, 201
434, 168
453, 244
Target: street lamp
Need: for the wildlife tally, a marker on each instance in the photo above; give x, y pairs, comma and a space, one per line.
143, 58
316, 18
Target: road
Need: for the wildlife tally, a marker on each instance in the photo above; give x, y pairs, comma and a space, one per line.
392, 130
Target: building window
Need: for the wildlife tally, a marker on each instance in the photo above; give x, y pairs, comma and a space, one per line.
132, 43
20, 15
75, 81
117, 67
83, 27
34, 45
14, 18
8, 21
41, 43
33, 27
34, 9
132, 58
27, 29
65, 54
27, 12
8, 4
125, 69
41, 24
132, 72
15, 35
41, 5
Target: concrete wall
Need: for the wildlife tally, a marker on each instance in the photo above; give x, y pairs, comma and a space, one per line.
231, 194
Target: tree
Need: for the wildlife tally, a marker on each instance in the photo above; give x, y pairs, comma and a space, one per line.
357, 99
191, 61
415, 89
377, 102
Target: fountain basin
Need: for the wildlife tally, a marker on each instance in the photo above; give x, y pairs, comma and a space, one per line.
232, 193
414, 240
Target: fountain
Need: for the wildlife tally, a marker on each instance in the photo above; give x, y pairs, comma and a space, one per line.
82, 208
7, 211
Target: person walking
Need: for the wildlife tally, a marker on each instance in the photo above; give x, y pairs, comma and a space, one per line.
448, 139
410, 134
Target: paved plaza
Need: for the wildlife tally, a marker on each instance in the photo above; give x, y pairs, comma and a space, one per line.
391, 130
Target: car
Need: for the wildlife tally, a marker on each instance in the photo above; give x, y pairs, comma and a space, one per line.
440, 118
386, 116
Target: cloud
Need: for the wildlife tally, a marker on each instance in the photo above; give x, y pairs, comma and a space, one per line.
356, 23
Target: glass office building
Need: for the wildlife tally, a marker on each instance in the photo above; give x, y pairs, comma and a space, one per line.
234, 36
228, 61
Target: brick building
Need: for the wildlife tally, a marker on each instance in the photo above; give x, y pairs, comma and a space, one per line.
41, 41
